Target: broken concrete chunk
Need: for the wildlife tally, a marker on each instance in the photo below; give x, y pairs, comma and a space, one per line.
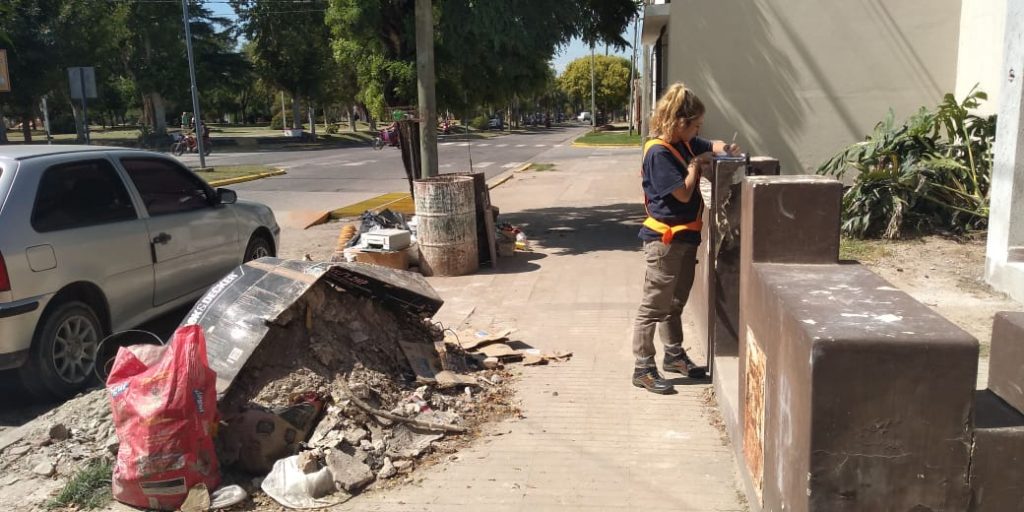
403, 465
409, 442
44, 468
492, 363
355, 436
387, 470
447, 379
349, 474
308, 462
198, 499
113, 444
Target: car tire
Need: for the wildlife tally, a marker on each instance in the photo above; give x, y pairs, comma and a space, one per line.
63, 352
258, 247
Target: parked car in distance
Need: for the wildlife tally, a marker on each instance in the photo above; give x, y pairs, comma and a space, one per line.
584, 116
98, 240
495, 123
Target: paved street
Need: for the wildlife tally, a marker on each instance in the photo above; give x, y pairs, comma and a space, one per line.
325, 179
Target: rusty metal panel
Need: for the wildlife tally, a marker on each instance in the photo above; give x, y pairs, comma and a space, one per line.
1006, 364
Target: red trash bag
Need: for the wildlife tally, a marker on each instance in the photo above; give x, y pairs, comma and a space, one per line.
164, 403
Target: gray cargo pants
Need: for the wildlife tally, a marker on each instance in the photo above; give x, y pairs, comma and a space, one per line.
667, 284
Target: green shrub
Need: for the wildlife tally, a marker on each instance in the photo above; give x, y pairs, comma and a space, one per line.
331, 129
931, 173
479, 122
277, 122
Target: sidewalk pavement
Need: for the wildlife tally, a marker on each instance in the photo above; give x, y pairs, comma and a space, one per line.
589, 440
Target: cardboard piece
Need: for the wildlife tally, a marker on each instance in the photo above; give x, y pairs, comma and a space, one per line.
423, 358
501, 351
472, 340
391, 259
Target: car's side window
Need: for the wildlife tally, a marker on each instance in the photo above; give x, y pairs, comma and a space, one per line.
79, 194
166, 188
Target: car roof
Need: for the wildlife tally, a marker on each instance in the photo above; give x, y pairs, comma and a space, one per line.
27, 151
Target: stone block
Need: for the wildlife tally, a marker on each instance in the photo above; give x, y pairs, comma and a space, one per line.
795, 219
1006, 364
856, 396
997, 462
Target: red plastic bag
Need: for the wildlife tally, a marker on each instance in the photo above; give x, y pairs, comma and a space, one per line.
164, 402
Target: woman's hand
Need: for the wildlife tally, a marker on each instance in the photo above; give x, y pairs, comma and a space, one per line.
702, 162
732, 149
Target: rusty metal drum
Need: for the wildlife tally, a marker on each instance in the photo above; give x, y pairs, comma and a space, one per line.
446, 225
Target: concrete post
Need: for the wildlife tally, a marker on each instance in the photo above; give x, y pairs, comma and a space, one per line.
425, 86
1004, 259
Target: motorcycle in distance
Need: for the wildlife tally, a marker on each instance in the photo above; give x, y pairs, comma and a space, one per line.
187, 143
386, 137
446, 127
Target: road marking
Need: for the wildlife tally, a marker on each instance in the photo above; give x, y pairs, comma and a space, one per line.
357, 164
501, 145
558, 145
463, 144
541, 146
483, 164
520, 145
446, 165
511, 165
484, 145
447, 143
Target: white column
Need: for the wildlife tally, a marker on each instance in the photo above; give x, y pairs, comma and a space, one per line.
1004, 261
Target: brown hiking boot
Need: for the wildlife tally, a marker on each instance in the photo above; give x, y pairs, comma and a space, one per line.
683, 364
649, 379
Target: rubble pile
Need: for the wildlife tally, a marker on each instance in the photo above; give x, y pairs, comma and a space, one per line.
61, 440
345, 386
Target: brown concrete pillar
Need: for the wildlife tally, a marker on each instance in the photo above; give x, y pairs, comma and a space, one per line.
853, 395
997, 461
1006, 364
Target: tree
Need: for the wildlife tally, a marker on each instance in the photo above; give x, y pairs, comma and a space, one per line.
486, 52
290, 46
611, 77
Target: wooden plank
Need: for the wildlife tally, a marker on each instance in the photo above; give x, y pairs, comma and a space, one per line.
491, 234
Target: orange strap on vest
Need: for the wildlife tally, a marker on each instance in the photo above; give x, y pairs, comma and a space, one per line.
668, 232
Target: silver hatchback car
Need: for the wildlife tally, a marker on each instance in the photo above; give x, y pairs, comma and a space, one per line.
98, 240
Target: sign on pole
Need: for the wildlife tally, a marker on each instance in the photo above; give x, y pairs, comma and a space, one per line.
82, 78
5, 79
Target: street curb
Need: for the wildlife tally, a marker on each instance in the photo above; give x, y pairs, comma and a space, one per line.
588, 145
491, 185
243, 179
505, 176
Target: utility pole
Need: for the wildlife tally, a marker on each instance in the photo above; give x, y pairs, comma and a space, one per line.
632, 85
284, 116
593, 100
200, 125
425, 87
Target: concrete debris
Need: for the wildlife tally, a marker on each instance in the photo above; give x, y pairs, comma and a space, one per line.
409, 442
354, 436
387, 470
308, 462
198, 499
44, 468
403, 465
350, 474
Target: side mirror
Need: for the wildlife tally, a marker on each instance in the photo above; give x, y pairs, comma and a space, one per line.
226, 196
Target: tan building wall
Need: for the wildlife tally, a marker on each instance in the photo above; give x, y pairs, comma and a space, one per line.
980, 57
800, 79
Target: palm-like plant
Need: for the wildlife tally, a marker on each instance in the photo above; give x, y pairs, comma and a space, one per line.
930, 173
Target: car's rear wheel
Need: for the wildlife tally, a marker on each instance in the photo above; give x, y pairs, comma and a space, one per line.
259, 247
63, 351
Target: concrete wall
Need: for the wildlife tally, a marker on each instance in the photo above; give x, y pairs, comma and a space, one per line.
801, 79
980, 56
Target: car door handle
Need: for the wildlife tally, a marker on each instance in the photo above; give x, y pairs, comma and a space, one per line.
162, 238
